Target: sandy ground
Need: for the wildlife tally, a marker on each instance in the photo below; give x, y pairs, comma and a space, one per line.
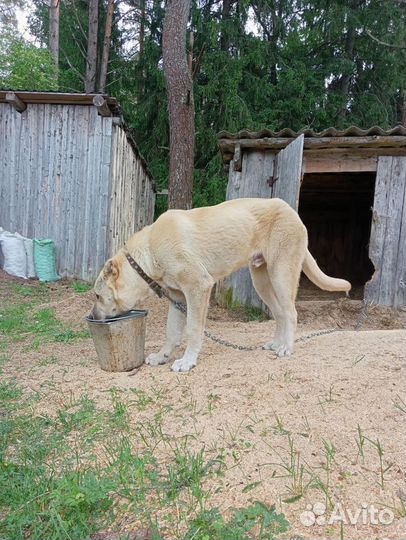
259, 411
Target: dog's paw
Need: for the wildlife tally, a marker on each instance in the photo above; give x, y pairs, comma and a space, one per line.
271, 346
284, 350
157, 359
183, 365
280, 349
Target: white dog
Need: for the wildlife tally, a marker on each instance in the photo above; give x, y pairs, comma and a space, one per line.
187, 251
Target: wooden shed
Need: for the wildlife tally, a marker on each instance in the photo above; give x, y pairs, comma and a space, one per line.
70, 171
349, 189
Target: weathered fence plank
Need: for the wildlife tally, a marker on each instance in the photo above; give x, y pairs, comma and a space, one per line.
289, 173
387, 242
128, 211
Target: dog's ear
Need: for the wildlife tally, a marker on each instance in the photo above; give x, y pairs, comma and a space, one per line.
111, 269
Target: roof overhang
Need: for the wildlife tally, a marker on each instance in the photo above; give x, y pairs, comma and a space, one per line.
106, 105
367, 143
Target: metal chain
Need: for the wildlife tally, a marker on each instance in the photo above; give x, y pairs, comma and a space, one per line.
361, 317
226, 343
363, 314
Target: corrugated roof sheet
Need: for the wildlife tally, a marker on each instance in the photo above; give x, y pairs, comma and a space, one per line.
352, 131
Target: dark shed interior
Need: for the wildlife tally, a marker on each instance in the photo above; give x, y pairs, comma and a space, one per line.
337, 211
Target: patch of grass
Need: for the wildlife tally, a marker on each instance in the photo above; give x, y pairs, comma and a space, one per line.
21, 321
292, 468
382, 468
360, 440
67, 335
247, 313
400, 404
9, 392
328, 398
211, 525
4, 359
81, 286
48, 361
85, 469
78, 415
278, 427
142, 399
38, 292
398, 505
188, 470
323, 482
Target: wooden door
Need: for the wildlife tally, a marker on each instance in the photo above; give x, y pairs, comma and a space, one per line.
248, 177
289, 173
387, 246
253, 175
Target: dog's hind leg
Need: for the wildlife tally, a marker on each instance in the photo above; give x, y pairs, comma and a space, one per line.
284, 277
197, 299
174, 331
264, 288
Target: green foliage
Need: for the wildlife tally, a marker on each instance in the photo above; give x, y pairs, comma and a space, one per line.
24, 66
265, 64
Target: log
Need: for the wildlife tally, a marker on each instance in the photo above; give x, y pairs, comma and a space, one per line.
101, 105
16, 102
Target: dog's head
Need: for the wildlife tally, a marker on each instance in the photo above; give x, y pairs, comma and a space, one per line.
118, 289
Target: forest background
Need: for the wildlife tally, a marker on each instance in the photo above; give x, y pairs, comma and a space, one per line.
256, 64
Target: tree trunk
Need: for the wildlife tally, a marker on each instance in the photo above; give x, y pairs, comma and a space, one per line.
344, 84
54, 7
179, 86
142, 30
106, 47
91, 59
225, 19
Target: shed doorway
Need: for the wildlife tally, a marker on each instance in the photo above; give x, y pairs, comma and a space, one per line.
337, 211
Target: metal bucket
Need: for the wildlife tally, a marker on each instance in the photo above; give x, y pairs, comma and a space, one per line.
119, 342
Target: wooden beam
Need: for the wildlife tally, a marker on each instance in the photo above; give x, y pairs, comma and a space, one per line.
353, 153
101, 105
336, 164
16, 102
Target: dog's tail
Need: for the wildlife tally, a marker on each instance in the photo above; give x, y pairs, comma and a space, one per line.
322, 280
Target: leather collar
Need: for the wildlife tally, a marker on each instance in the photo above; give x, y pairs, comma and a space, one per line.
153, 284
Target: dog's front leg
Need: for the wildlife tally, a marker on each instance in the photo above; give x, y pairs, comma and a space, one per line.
174, 331
197, 305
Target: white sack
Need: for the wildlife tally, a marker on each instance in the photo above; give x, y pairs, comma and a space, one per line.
29, 252
2, 231
15, 258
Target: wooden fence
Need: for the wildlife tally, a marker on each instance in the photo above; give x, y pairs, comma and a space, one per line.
69, 174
